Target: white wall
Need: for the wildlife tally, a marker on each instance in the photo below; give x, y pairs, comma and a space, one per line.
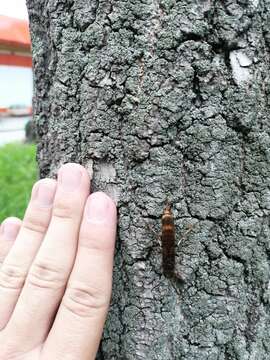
14, 8
16, 86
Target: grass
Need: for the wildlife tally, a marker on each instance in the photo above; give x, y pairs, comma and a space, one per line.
18, 172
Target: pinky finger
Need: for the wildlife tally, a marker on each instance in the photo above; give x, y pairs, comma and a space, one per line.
8, 232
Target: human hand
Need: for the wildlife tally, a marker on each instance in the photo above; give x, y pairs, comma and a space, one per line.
55, 279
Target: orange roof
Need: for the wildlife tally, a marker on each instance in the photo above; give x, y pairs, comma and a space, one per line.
14, 33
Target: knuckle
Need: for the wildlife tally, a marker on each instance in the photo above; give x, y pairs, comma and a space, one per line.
63, 210
11, 277
47, 276
35, 224
85, 301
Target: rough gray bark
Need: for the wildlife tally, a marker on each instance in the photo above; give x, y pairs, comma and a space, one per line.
167, 100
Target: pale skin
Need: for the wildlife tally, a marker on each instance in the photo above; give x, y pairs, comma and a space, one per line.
56, 271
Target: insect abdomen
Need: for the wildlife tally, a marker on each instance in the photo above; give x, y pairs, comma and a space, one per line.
168, 243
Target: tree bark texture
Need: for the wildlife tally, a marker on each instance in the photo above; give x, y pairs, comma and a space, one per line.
167, 101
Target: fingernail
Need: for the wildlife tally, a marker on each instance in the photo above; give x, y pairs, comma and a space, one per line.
10, 230
70, 176
44, 194
98, 207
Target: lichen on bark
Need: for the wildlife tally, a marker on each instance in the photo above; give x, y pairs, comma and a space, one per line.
166, 100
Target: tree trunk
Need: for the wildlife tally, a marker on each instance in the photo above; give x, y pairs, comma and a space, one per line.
167, 101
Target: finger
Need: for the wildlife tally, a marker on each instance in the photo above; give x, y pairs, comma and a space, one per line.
86, 300
47, 277
15, 267
8, 232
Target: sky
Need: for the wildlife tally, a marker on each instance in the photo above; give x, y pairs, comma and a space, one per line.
13, 8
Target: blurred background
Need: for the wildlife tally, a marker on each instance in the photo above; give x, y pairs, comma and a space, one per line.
18, 169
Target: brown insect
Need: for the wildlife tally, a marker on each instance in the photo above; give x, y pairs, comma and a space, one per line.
168, 242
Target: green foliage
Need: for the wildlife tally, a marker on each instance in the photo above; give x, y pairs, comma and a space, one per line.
18, 172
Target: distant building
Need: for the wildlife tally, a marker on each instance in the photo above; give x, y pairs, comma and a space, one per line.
16, 83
